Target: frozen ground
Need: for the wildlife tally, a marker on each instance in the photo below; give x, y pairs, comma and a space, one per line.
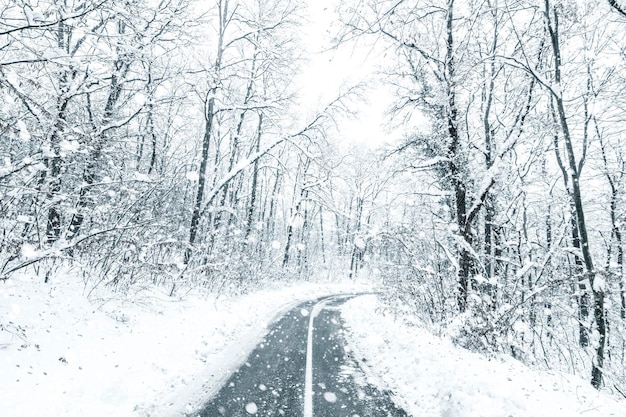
432, 378
146, 355
153, 355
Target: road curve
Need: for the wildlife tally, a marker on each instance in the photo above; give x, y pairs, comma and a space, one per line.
274, 382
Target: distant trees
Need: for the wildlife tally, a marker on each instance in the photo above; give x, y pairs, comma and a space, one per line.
246, 84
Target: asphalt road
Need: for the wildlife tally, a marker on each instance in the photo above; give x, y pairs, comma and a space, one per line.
301, 368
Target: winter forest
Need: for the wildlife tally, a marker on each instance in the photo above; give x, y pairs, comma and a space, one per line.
179, 144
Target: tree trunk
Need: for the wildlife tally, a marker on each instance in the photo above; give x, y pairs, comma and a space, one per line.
356, 250
120, 70
206, 141
598, 292
271, 225
465, 260
235, 145
322, 235
490, 209
53, 164
255, 180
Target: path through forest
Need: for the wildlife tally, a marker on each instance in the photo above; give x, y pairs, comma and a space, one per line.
302, 368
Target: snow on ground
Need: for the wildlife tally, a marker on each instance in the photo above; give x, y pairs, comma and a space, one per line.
153, 355
431, 377
145, 355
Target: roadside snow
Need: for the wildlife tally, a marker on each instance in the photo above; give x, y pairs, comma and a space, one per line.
431, 377
153, 355
146, 355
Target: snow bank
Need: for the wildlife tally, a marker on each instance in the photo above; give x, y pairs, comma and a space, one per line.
145, 355
431, 377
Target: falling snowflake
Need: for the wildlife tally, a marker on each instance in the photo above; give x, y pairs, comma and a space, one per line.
28, 251
251, 408
192, 176
330, 397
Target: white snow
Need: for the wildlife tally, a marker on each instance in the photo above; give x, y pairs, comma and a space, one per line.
431, 377
359, 242
144, 354
251, 408
192, 176
28, 251
330, 397
599, 283
148, 354
24, 134
69, 146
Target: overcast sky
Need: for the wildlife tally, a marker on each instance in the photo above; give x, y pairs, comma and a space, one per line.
329, 71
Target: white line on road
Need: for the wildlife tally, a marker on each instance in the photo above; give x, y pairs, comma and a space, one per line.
308, 380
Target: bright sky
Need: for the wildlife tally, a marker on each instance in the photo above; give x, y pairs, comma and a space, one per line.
331, 71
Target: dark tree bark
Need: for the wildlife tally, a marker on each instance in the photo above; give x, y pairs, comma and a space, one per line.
208, 132
613, 178
296, 212
578, 270
357, 252
490, 243
150, 133
270, 215
255, 180
321, 214
621, 9
53, 164
235, 141
120, 70
465, 260
552, 23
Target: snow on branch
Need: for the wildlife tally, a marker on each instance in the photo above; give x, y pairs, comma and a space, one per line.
56, 250
245, 163
45, 25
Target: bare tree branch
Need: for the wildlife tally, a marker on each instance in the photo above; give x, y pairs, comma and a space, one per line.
620, 8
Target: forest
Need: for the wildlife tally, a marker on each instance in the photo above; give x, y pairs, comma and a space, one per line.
167, 143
